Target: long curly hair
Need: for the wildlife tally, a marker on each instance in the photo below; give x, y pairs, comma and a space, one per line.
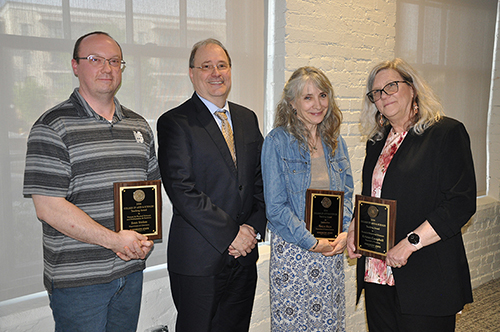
286, 116
430, 110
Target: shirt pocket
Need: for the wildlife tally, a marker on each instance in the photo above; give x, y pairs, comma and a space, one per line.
296, 175
339, 167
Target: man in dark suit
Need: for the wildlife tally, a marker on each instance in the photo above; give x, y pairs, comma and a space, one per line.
209, 155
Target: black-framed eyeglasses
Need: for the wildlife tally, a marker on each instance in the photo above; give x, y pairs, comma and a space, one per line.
99, 61
389, 89
222, 67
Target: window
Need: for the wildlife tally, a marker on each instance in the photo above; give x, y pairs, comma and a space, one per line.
451, 44
36, 45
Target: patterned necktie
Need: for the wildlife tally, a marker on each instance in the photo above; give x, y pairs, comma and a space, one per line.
227, 132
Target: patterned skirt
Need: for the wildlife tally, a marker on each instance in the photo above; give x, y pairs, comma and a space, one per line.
306, 288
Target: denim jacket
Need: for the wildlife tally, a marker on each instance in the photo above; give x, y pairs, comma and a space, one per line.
286, 172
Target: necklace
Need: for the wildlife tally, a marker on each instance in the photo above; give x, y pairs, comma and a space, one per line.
313, 143
313, 146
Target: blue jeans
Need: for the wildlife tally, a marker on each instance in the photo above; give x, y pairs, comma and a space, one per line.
111, 307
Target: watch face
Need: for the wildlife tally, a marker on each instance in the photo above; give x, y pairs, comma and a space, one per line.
413, 238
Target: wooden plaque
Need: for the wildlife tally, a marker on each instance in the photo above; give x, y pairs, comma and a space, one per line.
374, 226
324, 213
138, 207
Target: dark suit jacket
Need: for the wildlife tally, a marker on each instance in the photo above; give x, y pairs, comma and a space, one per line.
210, 196
432, 178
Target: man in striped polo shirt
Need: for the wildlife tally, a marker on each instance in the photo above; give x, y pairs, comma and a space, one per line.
76, 151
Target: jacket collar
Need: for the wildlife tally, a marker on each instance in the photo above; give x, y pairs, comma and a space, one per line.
208, 122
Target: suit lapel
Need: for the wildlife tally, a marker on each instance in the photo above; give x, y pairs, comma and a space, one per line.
208, 122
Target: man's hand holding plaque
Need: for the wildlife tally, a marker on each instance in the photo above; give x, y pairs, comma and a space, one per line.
324, 213
374, 226
138, 207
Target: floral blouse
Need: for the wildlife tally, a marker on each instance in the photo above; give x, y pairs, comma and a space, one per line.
377, 270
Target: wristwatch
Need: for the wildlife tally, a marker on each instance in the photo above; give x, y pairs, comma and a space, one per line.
414, 239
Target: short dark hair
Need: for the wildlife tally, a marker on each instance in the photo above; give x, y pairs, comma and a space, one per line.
76, 50
204, 43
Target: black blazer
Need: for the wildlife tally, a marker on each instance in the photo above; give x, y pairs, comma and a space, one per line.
432, 178
210, 196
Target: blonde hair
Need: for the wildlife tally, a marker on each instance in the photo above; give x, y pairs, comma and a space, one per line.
430, 110
286, 115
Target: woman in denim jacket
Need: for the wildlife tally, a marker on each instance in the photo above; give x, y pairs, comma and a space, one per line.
305, 150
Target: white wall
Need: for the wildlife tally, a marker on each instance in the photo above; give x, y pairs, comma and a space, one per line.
345, 39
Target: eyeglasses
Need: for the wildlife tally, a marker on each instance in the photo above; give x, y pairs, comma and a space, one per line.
389, 89
99, 61
222, 67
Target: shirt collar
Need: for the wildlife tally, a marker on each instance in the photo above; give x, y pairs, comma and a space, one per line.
211, 106
91, 113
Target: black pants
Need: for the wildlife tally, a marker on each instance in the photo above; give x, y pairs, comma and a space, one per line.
383, 313
215, 303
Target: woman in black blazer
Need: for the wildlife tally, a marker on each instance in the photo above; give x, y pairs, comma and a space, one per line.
421, 159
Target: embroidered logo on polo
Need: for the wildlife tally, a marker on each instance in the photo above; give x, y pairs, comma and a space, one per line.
138, 137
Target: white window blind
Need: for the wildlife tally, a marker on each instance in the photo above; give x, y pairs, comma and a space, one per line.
450, 43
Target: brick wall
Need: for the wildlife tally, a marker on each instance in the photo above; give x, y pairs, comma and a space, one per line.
482, 242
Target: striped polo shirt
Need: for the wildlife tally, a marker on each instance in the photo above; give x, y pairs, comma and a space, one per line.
75, 153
